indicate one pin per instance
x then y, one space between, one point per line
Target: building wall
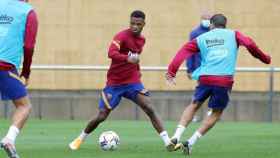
79 32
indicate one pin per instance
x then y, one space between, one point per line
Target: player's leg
91 126
185 120
217 102
106 104
145 104
23 109
139 95
207 124
200 95
13 89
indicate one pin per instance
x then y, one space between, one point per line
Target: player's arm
252 47
185 52
31 29
114 49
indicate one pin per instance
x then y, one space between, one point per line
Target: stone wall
83 105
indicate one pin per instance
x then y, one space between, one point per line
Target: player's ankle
194 138
83 136
6 140
12 134
164 136
179 131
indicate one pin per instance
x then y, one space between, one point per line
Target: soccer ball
109 141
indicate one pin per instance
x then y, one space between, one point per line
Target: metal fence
270 70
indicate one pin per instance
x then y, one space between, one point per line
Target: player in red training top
123 80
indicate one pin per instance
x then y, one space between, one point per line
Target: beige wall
79 31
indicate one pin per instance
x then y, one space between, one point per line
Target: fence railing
143 68
270 70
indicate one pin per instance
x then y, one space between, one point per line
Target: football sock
12 133
83 136
164 136
194 138
179 131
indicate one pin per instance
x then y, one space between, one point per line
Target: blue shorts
219 96
111 95
11 87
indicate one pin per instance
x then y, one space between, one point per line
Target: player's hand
25 81
268 59
133 58
170 80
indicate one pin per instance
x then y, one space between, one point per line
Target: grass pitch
49 139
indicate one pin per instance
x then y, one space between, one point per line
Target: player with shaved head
18 29
218 50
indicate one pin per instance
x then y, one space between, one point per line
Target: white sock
164 136
12 133
194 138
83 136
179 131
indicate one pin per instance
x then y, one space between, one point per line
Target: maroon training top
121 72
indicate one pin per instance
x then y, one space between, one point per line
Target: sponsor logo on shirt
5 19
214 42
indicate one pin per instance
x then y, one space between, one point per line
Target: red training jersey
120 71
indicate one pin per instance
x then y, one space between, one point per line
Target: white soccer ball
109 141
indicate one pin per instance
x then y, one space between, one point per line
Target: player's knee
149 111
23 102
147 101
24 106
210 124
194 105
28 107
217 112
102 117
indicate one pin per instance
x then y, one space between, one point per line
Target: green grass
49 139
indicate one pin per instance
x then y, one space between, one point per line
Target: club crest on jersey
5 19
